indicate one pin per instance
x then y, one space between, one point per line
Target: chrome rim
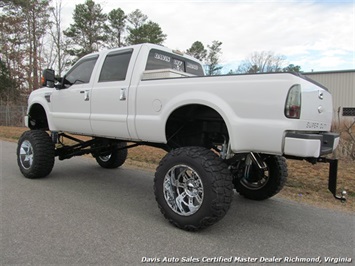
26 154
183 190
254 182
105 158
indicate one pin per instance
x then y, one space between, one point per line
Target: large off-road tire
260 184
35 154
114 159
193 188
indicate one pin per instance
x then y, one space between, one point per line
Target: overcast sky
317 35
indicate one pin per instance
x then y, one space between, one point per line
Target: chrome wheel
26 154
183 190
260 183
105 158
193 188
35 154
254 178
113 156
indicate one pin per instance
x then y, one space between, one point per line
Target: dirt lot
307 184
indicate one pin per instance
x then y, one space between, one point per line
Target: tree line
32 38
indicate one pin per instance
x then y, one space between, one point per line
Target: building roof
329 72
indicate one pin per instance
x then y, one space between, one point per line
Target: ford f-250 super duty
221 132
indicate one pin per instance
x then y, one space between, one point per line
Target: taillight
293 102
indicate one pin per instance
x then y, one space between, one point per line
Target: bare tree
57 54
259 62
23 25
37 20
13 43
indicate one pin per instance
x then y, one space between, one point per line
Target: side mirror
48 78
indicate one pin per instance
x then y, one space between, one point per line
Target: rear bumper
310 145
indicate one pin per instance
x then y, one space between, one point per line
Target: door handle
123 96
86 95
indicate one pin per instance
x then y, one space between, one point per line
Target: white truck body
137 109
221 132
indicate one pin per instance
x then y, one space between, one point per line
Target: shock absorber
54 136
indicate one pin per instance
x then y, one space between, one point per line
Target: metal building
341 84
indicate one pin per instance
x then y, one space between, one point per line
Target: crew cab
220 132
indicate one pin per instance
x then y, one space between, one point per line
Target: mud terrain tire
114 159
193 188
35 154
262 184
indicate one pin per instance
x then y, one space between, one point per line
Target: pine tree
198 51
88 33
117 24
212 60
141 31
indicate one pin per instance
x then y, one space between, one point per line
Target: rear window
161 60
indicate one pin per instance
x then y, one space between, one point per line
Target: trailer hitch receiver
333 174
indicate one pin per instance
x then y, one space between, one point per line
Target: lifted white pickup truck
221 132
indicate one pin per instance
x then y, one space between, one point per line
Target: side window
160 60
115 66
81 73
